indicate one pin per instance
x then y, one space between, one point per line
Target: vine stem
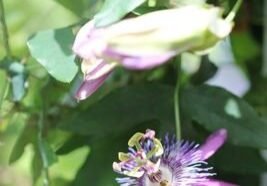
264 67
4 29
234 11
177 101
46 180
7 49
3 92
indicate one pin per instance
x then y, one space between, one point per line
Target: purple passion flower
146 41
175 163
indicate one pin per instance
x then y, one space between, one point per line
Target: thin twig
46 180
177 101
3 92
264 66
4 29
234 11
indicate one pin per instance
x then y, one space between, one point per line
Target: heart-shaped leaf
52 49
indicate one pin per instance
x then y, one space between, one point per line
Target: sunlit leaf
97 169
65 168
36 166
27 136
113 10
52 49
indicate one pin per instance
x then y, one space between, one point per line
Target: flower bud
189 28
149 40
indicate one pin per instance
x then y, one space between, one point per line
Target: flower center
164 183
161 178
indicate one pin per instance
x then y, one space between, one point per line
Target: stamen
155 177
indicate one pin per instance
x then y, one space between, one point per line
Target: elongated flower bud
188 28
146 41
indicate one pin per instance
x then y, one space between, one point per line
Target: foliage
48 138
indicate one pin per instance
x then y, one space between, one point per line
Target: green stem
264 67
177 101
234 11
4 29
3 92
6 46
41 149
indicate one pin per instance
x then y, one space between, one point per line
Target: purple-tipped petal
89 41
96 74
82 38
141 63
215 183
213 143
88 87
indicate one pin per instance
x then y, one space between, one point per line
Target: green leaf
97 170
113 10
257 96
4 85
76 7
123 109
27 136
211 107
242 160
73 143
215 108
36 166
52 49
65 168
243 41
147 9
